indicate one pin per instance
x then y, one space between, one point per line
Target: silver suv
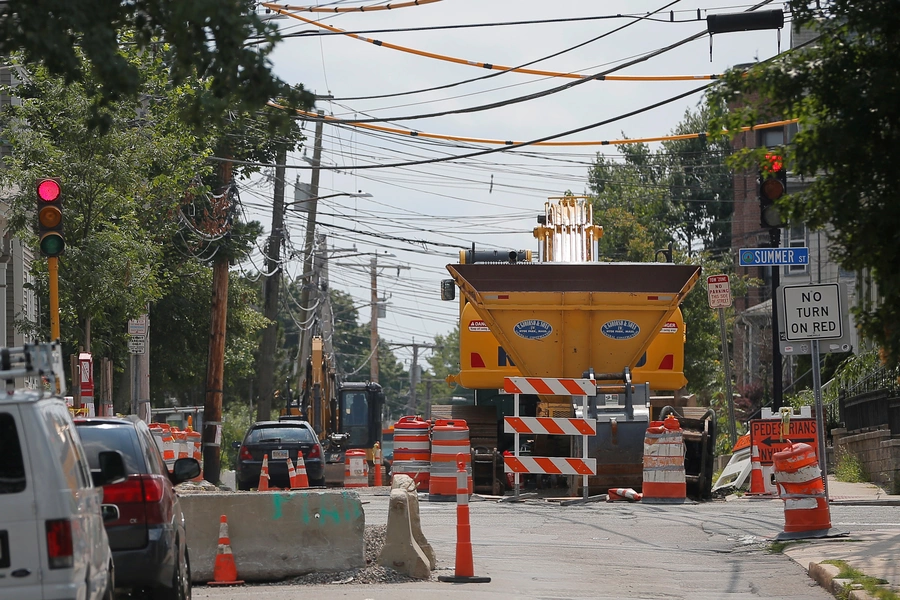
53 544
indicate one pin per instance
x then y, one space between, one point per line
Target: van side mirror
112 468
184 469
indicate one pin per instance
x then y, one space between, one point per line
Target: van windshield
12 464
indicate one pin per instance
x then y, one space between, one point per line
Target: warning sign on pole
767 435
718 288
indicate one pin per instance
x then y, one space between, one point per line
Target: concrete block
401 552
275 535
406 483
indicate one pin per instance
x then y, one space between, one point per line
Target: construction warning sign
769 437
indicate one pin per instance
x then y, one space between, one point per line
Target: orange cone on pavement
616 494
465 568
299 479
264 475
225 571
806 513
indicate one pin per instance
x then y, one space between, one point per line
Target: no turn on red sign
718 288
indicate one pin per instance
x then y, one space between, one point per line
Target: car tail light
315 452
139 489
245 453
59 544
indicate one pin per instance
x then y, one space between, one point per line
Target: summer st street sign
758 257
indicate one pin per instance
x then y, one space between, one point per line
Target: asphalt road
541 550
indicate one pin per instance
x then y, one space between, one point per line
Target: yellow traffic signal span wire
357 8
474 140
490 66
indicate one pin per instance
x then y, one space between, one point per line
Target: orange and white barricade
356 469
412 450
162 435
806 513
517 425
664 476
449 438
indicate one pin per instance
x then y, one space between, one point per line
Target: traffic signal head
772 186
49 216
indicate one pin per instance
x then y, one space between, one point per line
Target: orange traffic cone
465 568
225 571
615 494
300 480
264 475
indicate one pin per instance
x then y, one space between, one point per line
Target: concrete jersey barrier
275 535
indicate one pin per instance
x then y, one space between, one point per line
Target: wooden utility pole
215 373
308 254
373 333
266 372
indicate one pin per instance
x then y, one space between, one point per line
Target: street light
302 201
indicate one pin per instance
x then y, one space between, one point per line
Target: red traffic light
775 163
48 190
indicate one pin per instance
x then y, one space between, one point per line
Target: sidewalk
874 553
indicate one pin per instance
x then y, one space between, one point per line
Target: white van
53 544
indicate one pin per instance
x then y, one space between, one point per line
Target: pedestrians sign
759 257
767 436
813 312
718 288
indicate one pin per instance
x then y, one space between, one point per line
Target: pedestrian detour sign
768 436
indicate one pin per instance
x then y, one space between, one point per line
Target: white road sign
138 326
137 344
813 312
718 288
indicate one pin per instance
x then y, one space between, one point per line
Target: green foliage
842 88
237 417
848 467
204 43
872 585
119 191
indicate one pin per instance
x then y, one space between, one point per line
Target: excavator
564 313
346 415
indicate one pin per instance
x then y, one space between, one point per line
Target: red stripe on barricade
572 387
539 385
550 425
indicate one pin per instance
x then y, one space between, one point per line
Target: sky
420 216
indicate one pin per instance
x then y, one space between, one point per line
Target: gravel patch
371 573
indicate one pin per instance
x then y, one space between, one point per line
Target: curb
826 576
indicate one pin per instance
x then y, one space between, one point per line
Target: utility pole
266 374
373 330
308 254
777 367
411 404
215 374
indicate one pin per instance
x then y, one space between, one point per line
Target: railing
872 401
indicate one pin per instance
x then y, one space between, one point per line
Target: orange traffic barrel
356 469
412 450
664 477
448 439
799 479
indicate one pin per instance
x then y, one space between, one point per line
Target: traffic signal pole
53 282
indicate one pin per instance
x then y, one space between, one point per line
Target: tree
220 47
120 192
842 88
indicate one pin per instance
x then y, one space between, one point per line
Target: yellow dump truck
567 315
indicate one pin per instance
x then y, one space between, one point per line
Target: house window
796 238
771 137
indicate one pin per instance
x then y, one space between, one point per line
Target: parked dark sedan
148 539
281 440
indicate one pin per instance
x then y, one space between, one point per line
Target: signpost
761 257
813 313
718 289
